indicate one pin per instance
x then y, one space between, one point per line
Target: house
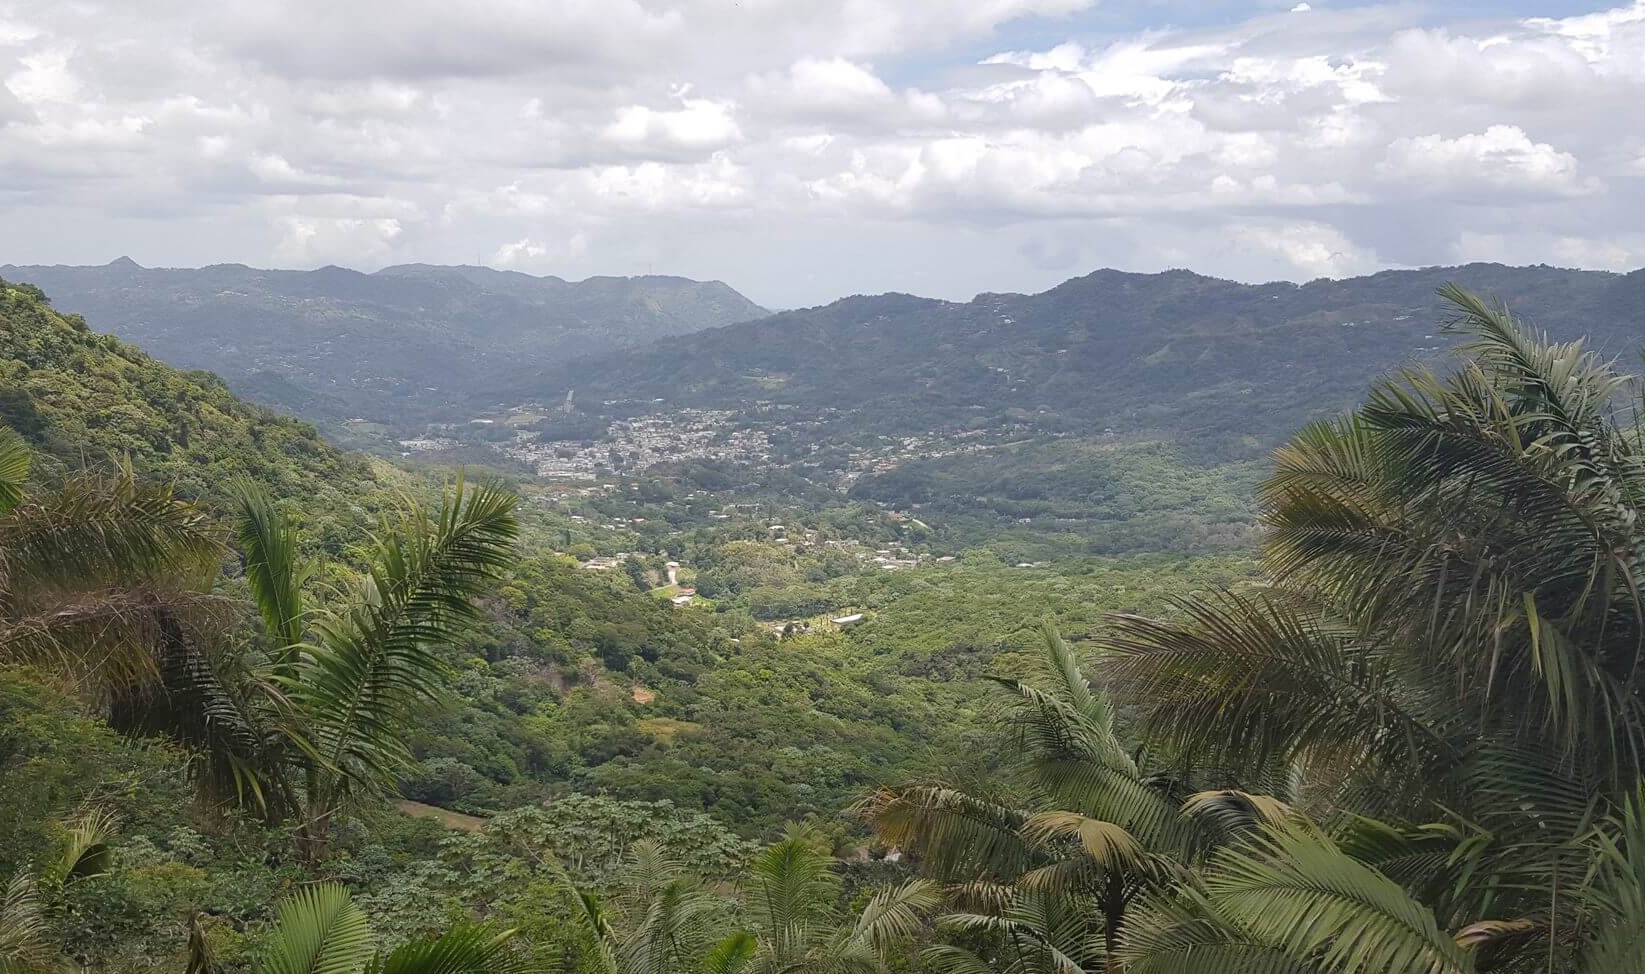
682 599
849 620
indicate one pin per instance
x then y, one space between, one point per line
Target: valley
759 586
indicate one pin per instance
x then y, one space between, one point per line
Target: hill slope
78 396
401 345
1134 354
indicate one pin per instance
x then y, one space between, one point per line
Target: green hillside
1127 354
402 346
82 397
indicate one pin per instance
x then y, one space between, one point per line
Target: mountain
1111 352
400 346
81 397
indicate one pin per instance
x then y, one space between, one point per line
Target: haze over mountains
1107 353
1110 351
400 345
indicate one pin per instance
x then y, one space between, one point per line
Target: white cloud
808 149
698 124
313 240
1310 249
1501 157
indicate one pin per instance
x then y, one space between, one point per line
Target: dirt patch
445 816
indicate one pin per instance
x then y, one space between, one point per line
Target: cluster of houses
635 444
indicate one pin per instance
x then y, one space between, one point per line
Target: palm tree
659 920
98 573
1449 640
107 580
320 929
26 934
324 716
791 894
1045 864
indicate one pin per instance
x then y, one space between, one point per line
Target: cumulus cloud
804 149
1502 157
697 124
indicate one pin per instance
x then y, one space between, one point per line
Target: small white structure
849 620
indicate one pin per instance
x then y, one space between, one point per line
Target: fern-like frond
274 568
379 656
319 930
1295 888
466 949
15 459
25 944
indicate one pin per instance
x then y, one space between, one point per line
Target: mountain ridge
1181 351
398 346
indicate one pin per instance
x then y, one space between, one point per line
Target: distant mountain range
1223 365
400 346
84 398
1110 352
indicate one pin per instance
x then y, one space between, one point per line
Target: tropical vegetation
1403 736
1415 747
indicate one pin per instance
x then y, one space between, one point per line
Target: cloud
804 150
1502 157
311 240
698 124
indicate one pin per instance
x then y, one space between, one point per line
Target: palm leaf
1296 889
319 930
25 946
380 655
467 949
731 955
14 469
274 569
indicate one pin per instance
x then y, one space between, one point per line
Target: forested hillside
401 346
737 726
81 397
1127 354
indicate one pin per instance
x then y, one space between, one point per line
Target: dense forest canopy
1076 701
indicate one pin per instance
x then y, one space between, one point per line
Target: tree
1047 861
659 920
321 929
338 685
97 574
791 893
108 581
26 936
1449 641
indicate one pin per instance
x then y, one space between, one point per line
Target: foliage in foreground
1416 749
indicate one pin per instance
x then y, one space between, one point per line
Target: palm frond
790 893
99 531
1178 932
1295 888
895 914
274 569
86 852
731 955
955 833
1110 845
466 949
1618 945
14 469
319 930
380 655
25 944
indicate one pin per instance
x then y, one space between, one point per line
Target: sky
803 150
